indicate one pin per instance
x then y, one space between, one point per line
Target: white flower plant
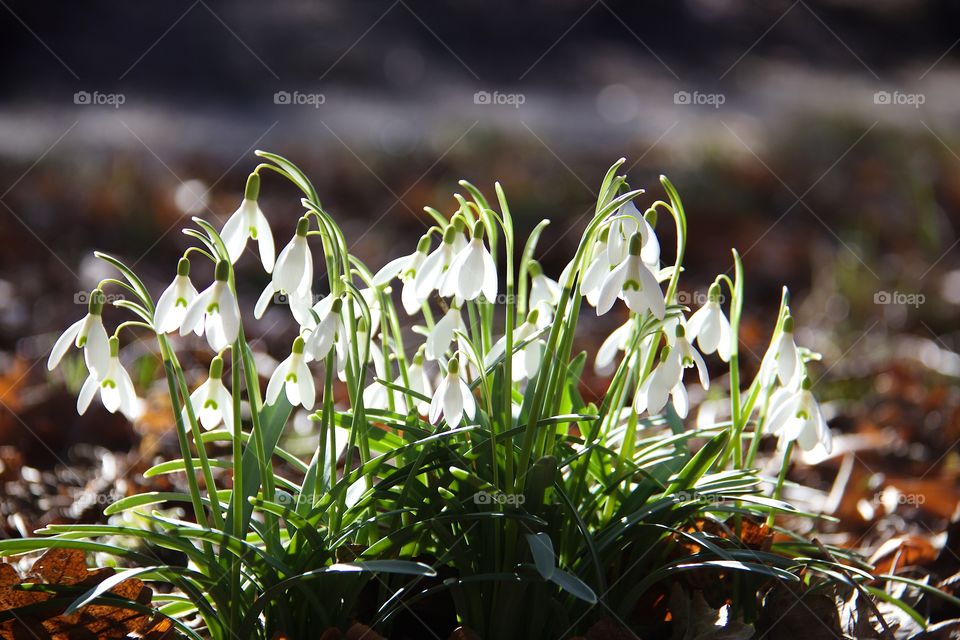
488 404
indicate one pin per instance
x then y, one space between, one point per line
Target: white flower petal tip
453 401
293 377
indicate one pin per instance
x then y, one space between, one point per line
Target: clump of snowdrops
463 443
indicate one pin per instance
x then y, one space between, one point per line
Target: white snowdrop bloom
614 343
632 281
298 301
666 381
597 269
376 396
526 361
799 418
628 221
247 222
115 386
87 334
710 327
294 269
544 291
323 337
472 271
293 378
444 331
420 381
782 359
214 312
212 403
431 273
173 302
453 399
405 268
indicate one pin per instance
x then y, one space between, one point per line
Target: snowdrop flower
526 361
444 331
431 273
376 396
322 338
666 381
173 303
87 334
249 222
632 281
799 418
298 301
453 398
597 269
114 384
628 221
782 359
211 401
293 377
405 268
214 312
710 326
472 272
615 342
544 291
294 269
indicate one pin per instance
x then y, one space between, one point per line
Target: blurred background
818 137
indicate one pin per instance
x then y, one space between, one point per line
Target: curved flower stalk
710 327
634 283
87 334
248 222
214 312
453 400
292 376
175 300
211 400
472 271
405 268
115 387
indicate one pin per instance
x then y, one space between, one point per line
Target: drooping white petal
307 389
234 233
275 385
264 241
611 288
194 317
489 285
543 290
96 345
681 403
390 271
469 405
453 402
436 404
87 391
63 343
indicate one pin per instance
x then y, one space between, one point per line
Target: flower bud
636 243
424 245
223 271
252 192
95 305
183 267
713 293
298 345
114 346
477 230
535 269
216 368
453 366
303 225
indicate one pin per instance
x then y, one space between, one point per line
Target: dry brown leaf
67 567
